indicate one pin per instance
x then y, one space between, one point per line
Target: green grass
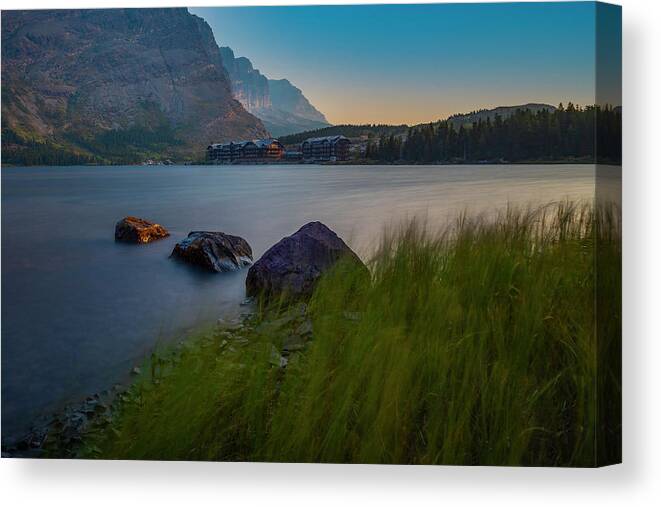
475 345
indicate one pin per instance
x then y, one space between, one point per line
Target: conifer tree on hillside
569 132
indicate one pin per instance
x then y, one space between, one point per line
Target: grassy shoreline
476 345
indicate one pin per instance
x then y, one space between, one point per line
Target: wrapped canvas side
608 243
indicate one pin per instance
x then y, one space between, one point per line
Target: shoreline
69 424
344 163
274 383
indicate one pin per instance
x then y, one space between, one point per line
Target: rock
293 343
305 329
230 324
272 326
214 251
241 340
352 316
276 359
138 230
292 266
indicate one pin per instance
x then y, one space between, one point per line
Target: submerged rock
214 251
138 230
292 266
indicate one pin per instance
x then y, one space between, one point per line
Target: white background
636 482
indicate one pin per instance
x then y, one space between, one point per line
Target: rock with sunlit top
138 230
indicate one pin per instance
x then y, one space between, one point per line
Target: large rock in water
291 267
215 251
138 230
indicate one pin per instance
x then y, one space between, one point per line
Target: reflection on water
78 309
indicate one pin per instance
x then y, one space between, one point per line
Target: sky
417 63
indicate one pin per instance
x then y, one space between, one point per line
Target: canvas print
383 234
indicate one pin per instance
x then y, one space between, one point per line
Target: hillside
573 134
467 119
369 131
114 86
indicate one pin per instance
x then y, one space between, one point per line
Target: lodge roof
261 143
330 139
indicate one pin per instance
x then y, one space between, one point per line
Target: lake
79 310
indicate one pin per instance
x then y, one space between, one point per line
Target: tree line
18 151
582 133
368 130
120 146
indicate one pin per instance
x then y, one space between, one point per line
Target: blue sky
416 63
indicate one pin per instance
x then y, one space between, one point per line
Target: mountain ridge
464 119
371 130
282 107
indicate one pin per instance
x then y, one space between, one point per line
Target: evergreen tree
569 132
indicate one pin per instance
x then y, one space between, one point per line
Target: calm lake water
79 310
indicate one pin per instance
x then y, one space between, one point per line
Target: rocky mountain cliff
114 85
249 86
280 105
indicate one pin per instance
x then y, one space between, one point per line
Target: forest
18 150
369 130
569 133
132 145
566 134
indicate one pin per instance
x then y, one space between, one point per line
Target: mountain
467 119
279 104
367 131
114 85
299 113
249 86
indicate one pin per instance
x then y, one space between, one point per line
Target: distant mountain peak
284 81
282 107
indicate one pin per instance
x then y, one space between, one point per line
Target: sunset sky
418 63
